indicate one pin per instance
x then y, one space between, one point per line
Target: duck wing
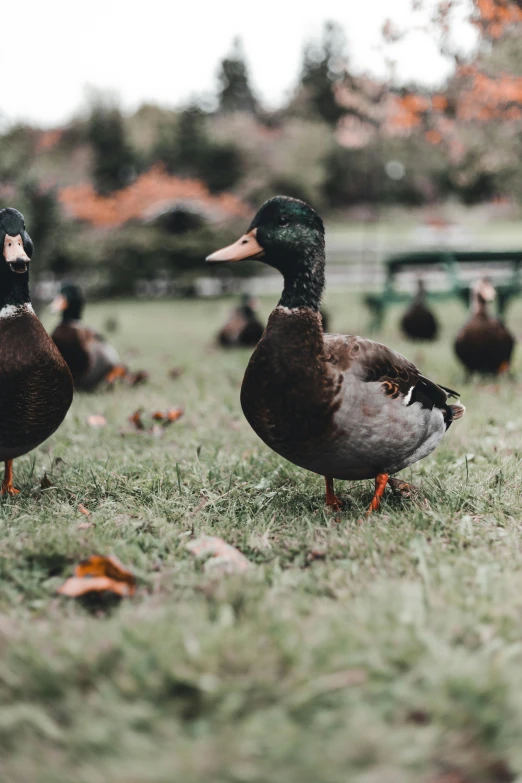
399 379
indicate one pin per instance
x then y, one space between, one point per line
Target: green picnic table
451 262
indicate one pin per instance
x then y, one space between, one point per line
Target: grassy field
387 650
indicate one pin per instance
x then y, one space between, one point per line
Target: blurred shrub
138 253
185 149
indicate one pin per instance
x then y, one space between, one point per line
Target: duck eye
283 222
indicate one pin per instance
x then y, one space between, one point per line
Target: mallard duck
418 322
341 406
90 357
484 344
243 328
36 388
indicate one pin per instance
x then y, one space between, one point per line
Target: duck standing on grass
341 406
418 322
36 388
91 359
484 345
243 328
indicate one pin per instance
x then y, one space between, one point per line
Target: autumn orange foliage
495 16
148 195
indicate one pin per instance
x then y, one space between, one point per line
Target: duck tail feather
457 410
450 392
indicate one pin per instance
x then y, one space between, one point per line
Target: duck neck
304 282
73 312
479 306
14 288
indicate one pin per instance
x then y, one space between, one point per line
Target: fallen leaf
221 556
97 421
174 414
135 378
74 587
99 573
176 372
135 418
83 510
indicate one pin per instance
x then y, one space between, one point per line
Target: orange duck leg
8 487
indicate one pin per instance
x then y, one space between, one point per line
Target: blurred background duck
484 344
243 328
418 322
36 388
341 406
91 359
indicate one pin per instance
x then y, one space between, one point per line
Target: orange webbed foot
9 490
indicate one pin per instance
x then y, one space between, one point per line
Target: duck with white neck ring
484 345
36 387
341 406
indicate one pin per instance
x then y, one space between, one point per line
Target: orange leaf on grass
135 418
74 587
99 573
173 414
83 510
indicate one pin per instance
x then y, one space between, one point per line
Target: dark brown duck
243 328
92 360
418 322
341 406
484 344
36 387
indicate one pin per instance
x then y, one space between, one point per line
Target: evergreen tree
323 67
114 160
235 93
187 150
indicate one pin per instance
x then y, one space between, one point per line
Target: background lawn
375 652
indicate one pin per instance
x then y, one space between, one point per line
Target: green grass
382 651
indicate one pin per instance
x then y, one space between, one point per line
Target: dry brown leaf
221 556
83 510
173 414
135 418
136 378
97 421
99 573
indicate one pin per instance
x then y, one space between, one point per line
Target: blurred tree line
342 139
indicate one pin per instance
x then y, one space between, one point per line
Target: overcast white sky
166 51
